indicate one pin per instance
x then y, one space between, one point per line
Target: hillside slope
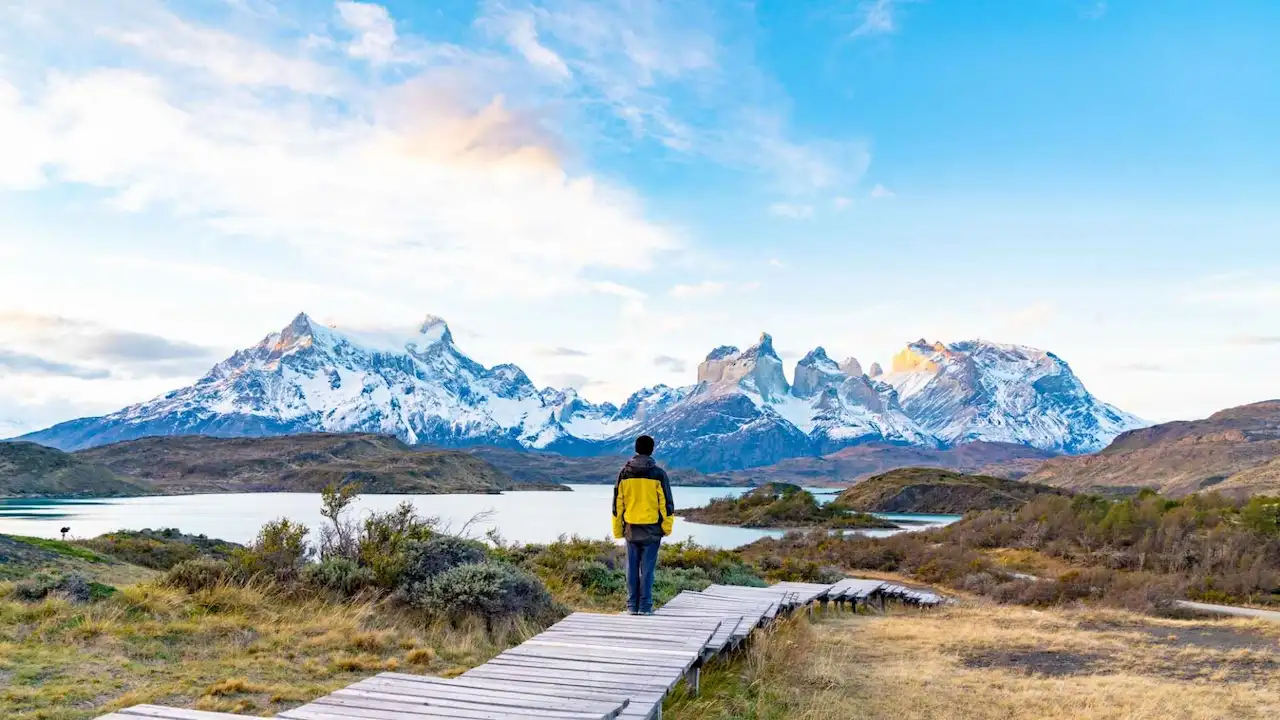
930 490
538 467
1233 451
297 463
859 462
29 470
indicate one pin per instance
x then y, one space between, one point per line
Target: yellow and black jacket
642 506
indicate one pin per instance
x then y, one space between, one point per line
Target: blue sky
637 179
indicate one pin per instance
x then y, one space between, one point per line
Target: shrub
35 588
280 552
425 559
158 549
74 587
383 538
598 578
340 575
492 591
199 574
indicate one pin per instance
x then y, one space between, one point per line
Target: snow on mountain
977 390
309 377
742 412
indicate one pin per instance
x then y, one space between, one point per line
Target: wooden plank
601 657
536 689
557 664
480 709
493 697
602 682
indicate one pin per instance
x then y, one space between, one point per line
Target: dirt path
1271 615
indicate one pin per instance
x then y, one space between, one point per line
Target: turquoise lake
527 517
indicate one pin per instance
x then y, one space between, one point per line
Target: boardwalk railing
589 666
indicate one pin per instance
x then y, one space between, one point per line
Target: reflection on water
518 516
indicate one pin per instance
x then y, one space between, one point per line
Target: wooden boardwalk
588 666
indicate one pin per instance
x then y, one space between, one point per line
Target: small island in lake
781 505
933 490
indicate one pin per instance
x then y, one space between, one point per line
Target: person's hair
644 445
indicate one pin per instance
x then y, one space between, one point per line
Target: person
643 514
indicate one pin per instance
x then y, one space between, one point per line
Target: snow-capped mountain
978 390
741 412
309 377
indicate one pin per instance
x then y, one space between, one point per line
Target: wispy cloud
706 288
880 192
373 31
89 350
563 352
20 363
1094 10
876 17
671 364
1256 340
1142 367
793 211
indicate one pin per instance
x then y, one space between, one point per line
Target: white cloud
876 17
841 203
1094 10
789 210
880 192
706 288
373 29
159 34
521 33
775 262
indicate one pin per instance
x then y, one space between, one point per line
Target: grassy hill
931 490
1235 452
780 505
30 470
299 463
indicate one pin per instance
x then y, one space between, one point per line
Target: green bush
598 578
493 591
34 588
74 587
158 549
383 538
425 559
280 552
339 575
199 574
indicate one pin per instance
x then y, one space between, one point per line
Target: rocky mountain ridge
741 412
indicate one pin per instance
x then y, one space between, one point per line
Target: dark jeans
642 560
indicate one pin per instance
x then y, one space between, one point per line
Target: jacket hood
641 462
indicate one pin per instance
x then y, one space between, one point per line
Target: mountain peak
435 329
723 352
852 367
815 356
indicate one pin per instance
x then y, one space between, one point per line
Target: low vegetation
1142 552
780 505
931 490
290 617
990 662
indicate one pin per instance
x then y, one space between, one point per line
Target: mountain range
740 412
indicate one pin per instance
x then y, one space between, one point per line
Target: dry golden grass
987 661
245 650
